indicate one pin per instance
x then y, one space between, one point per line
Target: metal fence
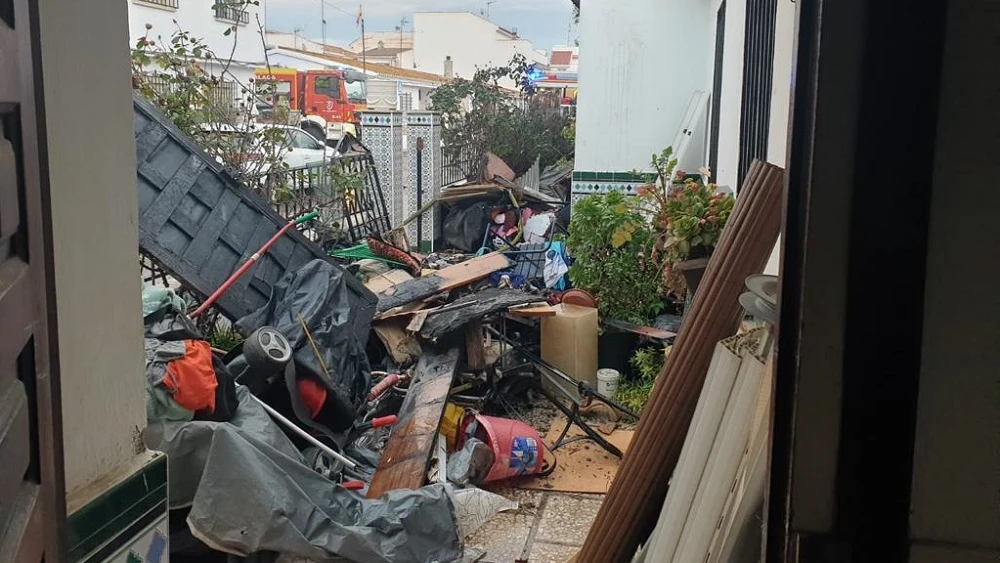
346 192
226 95
458 163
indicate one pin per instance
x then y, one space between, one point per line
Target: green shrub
608 240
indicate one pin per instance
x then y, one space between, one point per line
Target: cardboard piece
569 342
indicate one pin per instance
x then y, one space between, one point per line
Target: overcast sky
544 22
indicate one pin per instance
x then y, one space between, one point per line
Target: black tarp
319 295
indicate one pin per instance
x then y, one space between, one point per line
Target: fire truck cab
324 101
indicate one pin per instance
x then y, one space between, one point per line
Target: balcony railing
172 4
231 13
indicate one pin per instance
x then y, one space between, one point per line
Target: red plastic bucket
517 447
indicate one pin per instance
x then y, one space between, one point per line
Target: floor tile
542 552
503 538
567 518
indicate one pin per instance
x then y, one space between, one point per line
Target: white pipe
306 436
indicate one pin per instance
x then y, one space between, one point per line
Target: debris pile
372 389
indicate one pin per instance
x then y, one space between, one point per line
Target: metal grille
164 3
758 67
406 102
458 163
347 214
231 13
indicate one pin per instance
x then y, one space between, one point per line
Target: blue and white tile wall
382 133
425 125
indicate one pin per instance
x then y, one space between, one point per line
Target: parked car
246 146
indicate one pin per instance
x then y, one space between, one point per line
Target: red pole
246 265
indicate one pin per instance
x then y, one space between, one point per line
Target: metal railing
231 13
346 192
458 163
163 3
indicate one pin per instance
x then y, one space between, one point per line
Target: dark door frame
864 120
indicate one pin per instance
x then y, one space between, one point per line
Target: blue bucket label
523 454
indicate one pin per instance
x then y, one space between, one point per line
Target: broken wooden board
401 345
442 280
406 456
381 282
582 466
543 310
474 307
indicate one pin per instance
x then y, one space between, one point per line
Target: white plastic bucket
607 381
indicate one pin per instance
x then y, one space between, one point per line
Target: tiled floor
548 527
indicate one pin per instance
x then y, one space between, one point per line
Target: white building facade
208 21
716 85
470 40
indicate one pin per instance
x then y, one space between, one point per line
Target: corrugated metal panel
531 178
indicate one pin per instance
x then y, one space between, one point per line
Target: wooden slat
407 454
173 193
21 537
15 439
442 280
545 310
9 207
201 245
16 313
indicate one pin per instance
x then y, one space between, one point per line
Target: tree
480 116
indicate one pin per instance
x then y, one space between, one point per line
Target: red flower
701 221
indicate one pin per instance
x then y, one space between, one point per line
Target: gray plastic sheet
249 492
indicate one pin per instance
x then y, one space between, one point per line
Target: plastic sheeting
249 492
319 295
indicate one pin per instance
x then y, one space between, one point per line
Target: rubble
371 449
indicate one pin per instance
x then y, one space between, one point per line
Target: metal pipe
253 260
348 462
420 190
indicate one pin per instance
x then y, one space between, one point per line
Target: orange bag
191 379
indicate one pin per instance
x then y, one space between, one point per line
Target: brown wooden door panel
32 488
22 540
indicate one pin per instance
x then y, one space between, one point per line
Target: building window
231 11
406 102
171 4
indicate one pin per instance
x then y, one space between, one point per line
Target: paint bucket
607 382
517 447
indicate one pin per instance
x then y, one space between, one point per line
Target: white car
294 146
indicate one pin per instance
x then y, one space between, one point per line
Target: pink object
517 447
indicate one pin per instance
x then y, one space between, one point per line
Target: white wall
640 62
469 40
198 18
95 239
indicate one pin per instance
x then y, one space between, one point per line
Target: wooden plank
407 454
448 278
475 348
470 308
544 310
379 283
402 346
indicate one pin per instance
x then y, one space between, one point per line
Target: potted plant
687 214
